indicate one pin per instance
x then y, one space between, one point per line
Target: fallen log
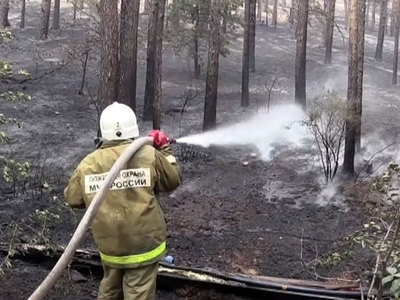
303 289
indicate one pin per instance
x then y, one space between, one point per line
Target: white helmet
118 122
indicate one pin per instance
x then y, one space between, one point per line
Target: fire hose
87 219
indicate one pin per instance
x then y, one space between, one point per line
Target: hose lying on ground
91 211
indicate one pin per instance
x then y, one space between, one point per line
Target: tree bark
225 17
396 40
252 36
44 19
128 52
301 54
392 13
259 10
361 41
56 15
197 69
151 61
275 14
373 14
210 103
246 56
4 8
382 29
346 14
158 67
108 12
23 13
352 90
329 24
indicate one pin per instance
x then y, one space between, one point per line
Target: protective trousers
128 284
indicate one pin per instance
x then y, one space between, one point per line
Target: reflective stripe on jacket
129 228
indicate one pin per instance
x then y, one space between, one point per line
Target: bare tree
259 10
301 53
252 36
4 8
373 14
196 14
396 6
266 9
128 52
346 13
158 68
354 98
246 56
151 61
56 15
44 19
382 29
329 24
360 66
275 14
23 12
108 11
210 103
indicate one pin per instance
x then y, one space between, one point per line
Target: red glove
160 138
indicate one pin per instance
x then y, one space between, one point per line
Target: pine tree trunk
4 8
361 41
392 13
148 7
128 52
252 36
266 12
108 12
151 61
158 67
197 69
373 14
44 19
329 24
396 40
275 14
382 29
346 14
225 17
352 90
210 103
56 15
259 10
23 13
75 4
246 56
301 53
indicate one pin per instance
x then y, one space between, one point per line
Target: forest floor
266 218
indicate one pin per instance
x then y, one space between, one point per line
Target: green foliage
189 25
14 171
393 278
6 69
6 35
26 74
326 121
15 96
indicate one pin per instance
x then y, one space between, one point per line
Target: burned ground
262 218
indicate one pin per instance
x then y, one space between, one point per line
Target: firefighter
129 228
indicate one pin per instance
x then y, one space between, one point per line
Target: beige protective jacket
130 228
